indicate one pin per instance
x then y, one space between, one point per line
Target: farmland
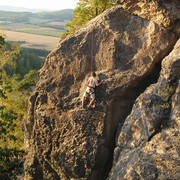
35 30
32 40
32 29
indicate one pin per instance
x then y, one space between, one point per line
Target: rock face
162 12
147 146
64 141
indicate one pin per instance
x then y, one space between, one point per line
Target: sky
41 4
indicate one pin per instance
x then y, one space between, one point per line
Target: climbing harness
90 89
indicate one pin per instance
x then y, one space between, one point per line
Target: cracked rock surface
147 146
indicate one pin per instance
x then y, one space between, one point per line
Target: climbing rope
92 51
92 48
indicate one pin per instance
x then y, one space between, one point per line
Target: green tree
13 98
29 81
27 59
2 40
85 11
8 127
12 109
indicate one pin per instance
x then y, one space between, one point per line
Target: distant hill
29 17
20 9
65 14
41 23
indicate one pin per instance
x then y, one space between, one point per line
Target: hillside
42 23
27 17
133 132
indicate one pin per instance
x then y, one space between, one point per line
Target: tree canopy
87 10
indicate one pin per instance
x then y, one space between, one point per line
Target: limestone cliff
64 141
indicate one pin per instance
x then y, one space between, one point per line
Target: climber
91 84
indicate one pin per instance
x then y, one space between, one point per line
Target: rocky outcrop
162 12
64 141
147 145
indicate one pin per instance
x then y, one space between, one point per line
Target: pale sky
41 4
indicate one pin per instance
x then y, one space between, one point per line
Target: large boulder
147 146
64 141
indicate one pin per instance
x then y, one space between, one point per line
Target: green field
32 29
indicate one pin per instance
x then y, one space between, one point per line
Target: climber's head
93 74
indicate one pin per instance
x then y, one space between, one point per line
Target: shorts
89 93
